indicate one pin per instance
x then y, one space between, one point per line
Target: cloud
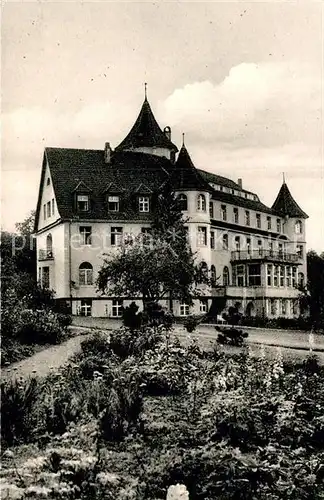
257 104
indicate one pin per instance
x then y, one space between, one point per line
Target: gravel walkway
292 345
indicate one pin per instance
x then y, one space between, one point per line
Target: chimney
107 152
239 181
167 132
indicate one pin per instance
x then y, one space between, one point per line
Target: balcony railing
244 255
45 255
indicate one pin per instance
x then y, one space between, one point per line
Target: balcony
265 255
45 255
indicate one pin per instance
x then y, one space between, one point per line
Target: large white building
89 200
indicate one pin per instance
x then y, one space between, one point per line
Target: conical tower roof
286 205
186 176
146 132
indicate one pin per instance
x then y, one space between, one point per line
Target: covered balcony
265 255
45 255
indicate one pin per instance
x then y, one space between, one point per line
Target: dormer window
113 203
144 204
48 182
82 202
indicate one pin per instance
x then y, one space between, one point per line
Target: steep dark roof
186 176
219 179
134 172
286 205
146 132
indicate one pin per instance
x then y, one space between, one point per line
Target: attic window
144 204
48 181
82 202
113 203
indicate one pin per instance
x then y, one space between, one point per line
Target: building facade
91 201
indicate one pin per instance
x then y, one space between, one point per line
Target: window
49 246
211 209
53 206
269 274
213 276
278 225
204 270
258 220
201 203
276 276
298 227
44 208
301 279
247 217
237 243
269 224
113 203
144 204
45 277
85 234
212 239
85 274
202 236
280 249
86 307
117 308
300 251
48 209
235 215
271 247
294 276
203 306
184 309
260 247
282 275
116 235
239 278
284 307
48 181
288 276
254 275
273 307
82 202
226 279
183 202
248 244
223 212
225 242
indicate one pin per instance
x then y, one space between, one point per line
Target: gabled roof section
81 186
286 205
143 189
127 170
113 188
186 176
146 132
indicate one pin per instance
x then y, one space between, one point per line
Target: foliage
312 295
157 413
231 336
191 323
156 266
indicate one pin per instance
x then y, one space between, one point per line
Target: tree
312 295
158 265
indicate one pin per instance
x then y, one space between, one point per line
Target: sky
242 80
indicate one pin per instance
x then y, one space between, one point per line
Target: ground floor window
184 309
254 275
284 307
239 278
117 308
269 274
273 307
203 305
45 277
86 307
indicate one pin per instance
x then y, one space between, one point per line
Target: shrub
40 327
